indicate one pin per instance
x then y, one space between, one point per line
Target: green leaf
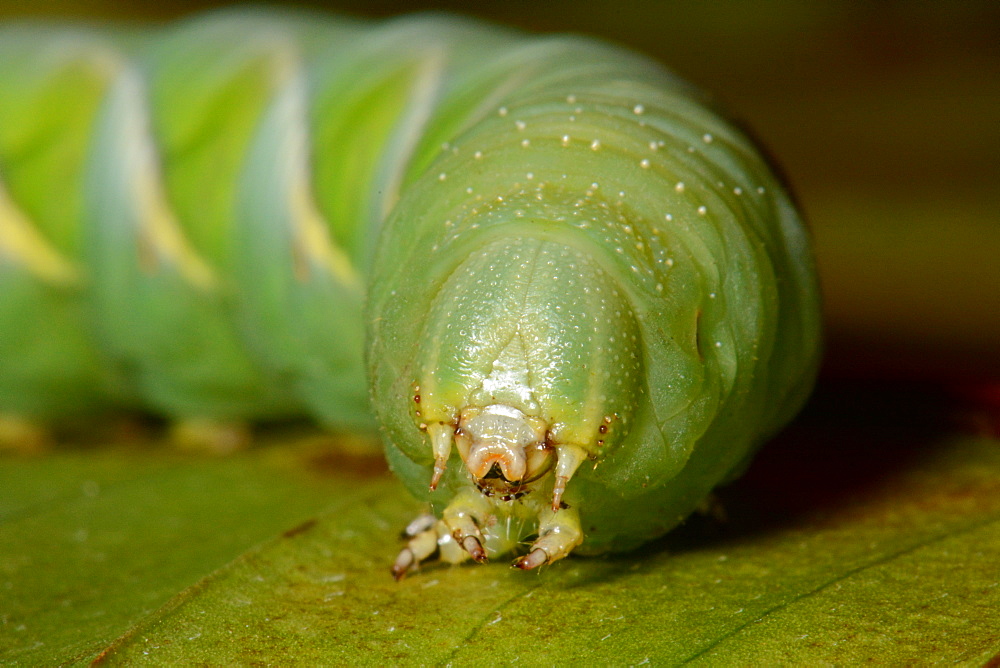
868 532
93 539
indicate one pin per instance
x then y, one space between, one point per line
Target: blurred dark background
884 115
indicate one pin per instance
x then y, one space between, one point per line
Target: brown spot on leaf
300 529
339 463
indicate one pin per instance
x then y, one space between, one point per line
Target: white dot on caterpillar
565 140
669 217
707 138
478 155
442 176
653 146
711 295
525 143
718 344
679 187
520 125
638 110
571 99
760 190
702 210
659 287
644 163
469 190
595 145
502 111
737 191
529 175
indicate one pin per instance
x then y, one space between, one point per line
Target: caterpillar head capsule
517 385
503 449
506 452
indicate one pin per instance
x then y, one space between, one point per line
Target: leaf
868 532
93 539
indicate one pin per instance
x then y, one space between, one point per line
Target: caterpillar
573 296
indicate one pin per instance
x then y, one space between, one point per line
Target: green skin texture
720 304
49 367
445 172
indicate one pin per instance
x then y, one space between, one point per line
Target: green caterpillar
586 297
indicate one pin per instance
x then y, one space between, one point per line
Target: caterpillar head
531 353
504 450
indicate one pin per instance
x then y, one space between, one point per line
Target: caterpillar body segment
631 304
48 364
575 296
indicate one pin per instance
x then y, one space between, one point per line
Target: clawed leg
470 528
431 536
421 545
463 517
559 533
455 537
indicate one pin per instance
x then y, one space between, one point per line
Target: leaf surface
868 532
93 539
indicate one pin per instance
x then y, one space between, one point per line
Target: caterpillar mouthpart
500 437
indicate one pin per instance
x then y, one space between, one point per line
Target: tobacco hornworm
587 297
